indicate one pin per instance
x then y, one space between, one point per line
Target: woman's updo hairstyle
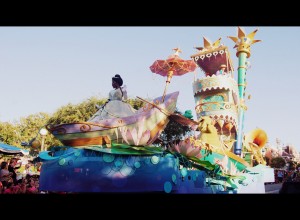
117 78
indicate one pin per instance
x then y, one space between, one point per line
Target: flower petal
193 153
140 127
123 131
145 138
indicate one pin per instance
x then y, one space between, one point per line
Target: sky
44 68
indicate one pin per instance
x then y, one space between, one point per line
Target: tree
173 132
83 111
277 162
75 112
25 129
8 133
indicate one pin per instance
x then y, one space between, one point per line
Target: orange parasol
174 65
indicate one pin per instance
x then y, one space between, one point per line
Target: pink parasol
174 65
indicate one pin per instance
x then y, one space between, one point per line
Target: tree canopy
277 162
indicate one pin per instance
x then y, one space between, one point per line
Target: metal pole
170 74
242 108
243 44
43 132
43 141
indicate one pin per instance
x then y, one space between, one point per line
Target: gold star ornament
243 43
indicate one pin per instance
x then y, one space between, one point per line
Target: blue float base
88 171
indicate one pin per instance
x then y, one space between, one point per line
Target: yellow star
243 42
177 50
208 45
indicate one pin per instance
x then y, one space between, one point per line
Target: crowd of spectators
12 181
287 176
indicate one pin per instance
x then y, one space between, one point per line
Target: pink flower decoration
186 148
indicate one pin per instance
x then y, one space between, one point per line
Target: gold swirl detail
85 128
227 106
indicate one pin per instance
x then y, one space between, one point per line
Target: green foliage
125 149
28 127
83 111
25 129
135 103
8 133
76 112
277 162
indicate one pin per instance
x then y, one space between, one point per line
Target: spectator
13 165
5 175
9 188
280 176
32 187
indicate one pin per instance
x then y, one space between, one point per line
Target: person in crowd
9 188
5 175
12 167
280 176
31 188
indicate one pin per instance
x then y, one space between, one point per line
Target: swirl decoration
59 131
85 128
227 106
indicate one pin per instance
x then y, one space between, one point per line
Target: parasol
173 65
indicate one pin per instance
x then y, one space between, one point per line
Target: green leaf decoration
217 169
205 164
220 182
115 145
127 149
62 161
232 184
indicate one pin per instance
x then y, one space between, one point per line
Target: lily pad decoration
168 155
118 162
77 153
154 159
137 164
174 178
108 158
168 187
62 161
183 172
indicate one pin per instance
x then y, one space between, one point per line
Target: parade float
119 154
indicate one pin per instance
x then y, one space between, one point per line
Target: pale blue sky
43 68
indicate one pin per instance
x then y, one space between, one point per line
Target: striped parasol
173 65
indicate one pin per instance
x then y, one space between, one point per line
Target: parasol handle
170 74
